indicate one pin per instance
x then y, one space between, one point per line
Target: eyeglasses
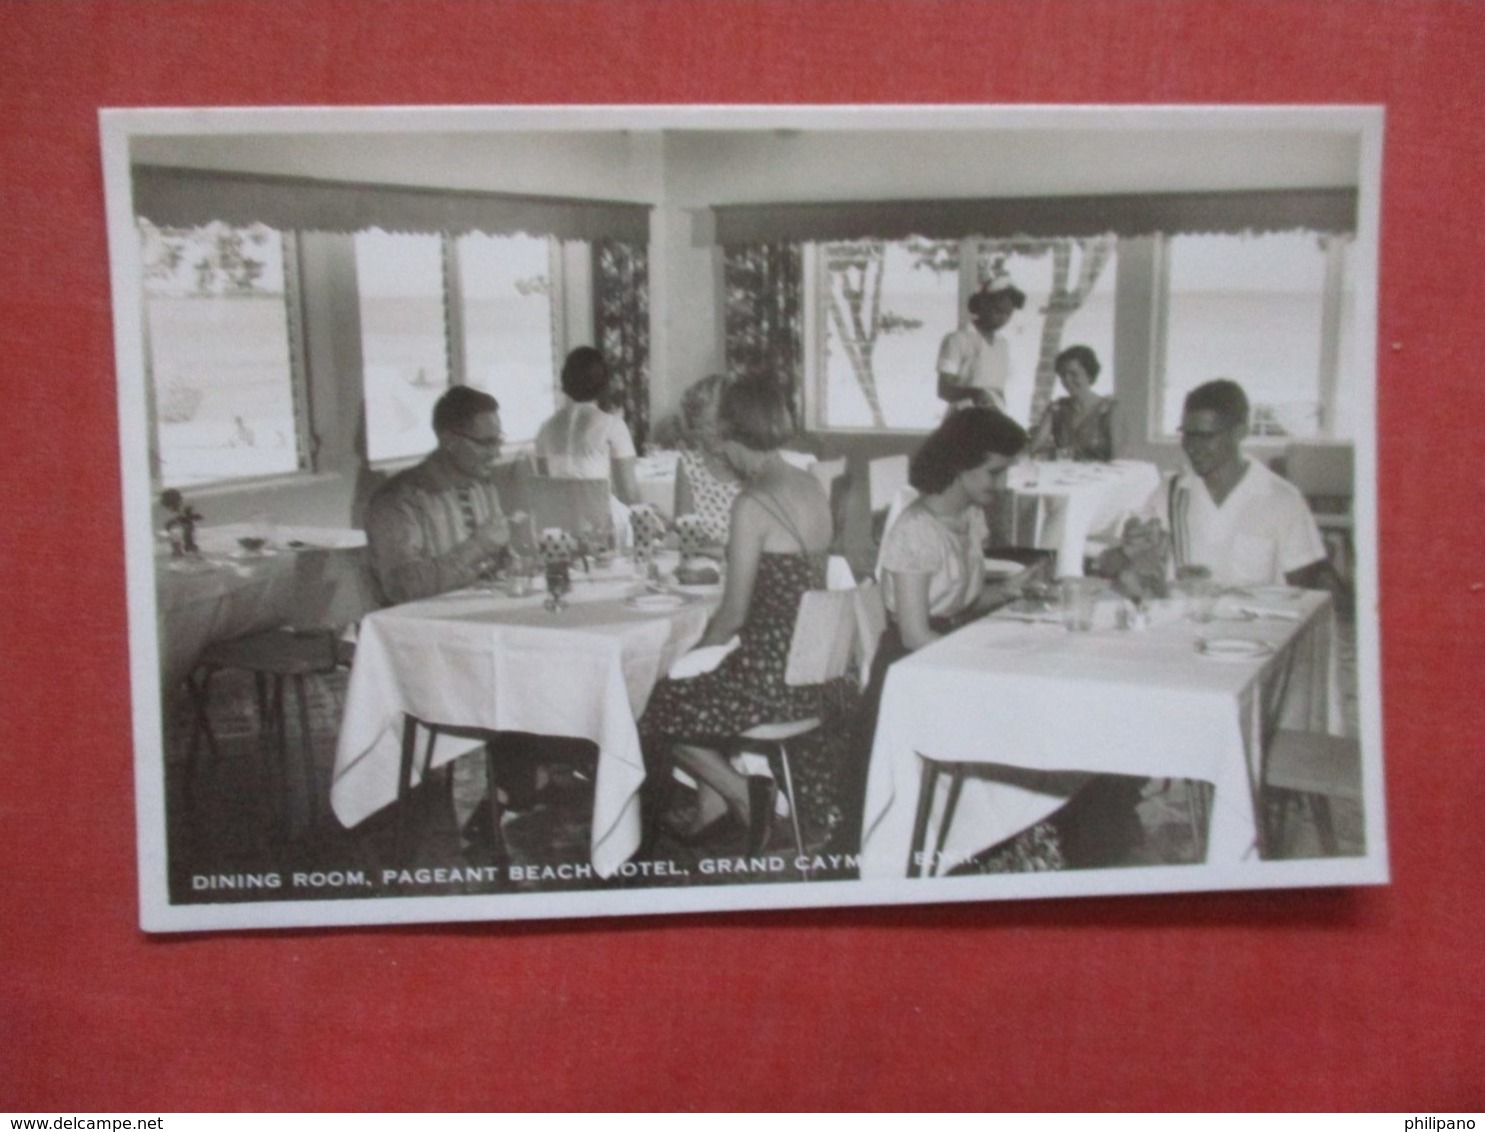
486 442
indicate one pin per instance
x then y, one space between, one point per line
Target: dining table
483 659
304 576
1038 707
1072 500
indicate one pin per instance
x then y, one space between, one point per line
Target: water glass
1079 596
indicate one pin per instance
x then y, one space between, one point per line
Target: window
1272 312
510 338
404 356
881 309
438 310
219 335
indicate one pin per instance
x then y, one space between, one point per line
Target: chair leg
793 803
307 750
200 697
404 783
920 822
1324 823
956 787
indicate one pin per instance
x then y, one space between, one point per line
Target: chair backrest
827 472
903 496
884 476
1320 469
512 483
870 610
801 460
824 637
571 504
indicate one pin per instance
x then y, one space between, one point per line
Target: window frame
568 285
1327 363
306 438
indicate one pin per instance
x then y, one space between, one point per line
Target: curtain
189 198
621 325
1330 210
764 286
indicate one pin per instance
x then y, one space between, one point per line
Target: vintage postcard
551 512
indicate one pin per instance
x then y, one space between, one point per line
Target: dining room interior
307 292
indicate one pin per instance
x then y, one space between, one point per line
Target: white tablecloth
1077 499
1035 696
227 592
480 659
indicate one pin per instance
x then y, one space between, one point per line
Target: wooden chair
1311 769
280 658
276 658
1325 473
820 651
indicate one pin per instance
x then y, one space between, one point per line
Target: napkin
697 661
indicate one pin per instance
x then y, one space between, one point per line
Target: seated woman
933 576
1080 425
780 531
932 561
582 441
705 483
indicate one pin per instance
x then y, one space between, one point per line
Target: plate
1233 648
1271 593
656 603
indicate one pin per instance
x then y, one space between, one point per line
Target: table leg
920 822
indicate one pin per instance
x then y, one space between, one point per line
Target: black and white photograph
565 512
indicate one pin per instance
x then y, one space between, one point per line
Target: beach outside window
218 339
400 283
1253 308
507 287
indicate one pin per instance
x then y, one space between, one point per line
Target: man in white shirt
974 362
1231 516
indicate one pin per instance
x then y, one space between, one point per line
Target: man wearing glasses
1230 516
438 526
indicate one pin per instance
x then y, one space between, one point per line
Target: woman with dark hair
1080 425
582 441
776 550
932 567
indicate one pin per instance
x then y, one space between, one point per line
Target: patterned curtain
765 316
621 325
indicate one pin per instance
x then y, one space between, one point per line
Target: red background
1326 999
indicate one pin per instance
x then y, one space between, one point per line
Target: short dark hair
584 374
1084 356
965 440
755 413
1223 397
983 299
457 408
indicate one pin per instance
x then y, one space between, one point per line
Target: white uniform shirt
581 440
984 365
1262 531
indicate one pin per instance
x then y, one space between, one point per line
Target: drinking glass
1079 596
